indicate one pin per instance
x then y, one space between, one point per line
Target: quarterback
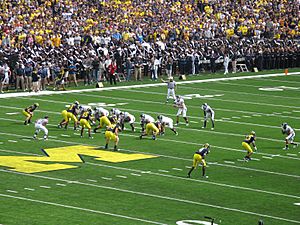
182 109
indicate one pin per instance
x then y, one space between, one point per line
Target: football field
69 180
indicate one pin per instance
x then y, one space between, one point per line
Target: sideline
25 94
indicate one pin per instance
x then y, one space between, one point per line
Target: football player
290 135
166 121
126 117
151 128
104 121
209 113
115 112
84 119
182 109
249 139
39 125
199 157
28 112
70 114
145 118
111 133
171 88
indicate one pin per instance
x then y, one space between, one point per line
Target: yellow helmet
36 104
253 132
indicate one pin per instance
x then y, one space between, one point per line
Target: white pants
181 111
39 127
226 68
209 116
5 80
171 92
290 137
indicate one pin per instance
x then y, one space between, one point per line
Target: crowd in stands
59 40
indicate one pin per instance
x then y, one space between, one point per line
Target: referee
171 88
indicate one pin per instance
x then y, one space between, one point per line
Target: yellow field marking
69 154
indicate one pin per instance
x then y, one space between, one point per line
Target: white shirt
209 110
171 84
180 103
115 112
289 130
102 111
42 122
147 118
166 120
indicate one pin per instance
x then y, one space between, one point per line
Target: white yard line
91 180
164 171
229 162
266 157
164 198
46 187
135 174
59 184
11 191
178 169
237 92
121 176
20 94
29 189
13 141
12 113
81 209
291 154
106 178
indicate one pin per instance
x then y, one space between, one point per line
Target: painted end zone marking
11 191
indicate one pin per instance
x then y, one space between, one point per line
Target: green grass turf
156 190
